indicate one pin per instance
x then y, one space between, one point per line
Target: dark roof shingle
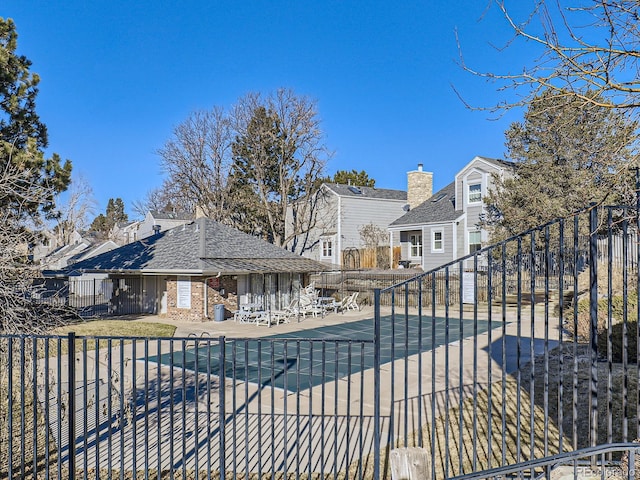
440 207
366 192
201 246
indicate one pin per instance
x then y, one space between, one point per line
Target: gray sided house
446 226
153 222
341 212
185 271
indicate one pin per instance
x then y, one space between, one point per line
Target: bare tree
197 161
373 235
279 153
590 50
75 212
251 167
18 314
166 198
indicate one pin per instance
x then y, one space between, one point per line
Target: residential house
446 225
340 213
153 222
80 248
125 232
187 270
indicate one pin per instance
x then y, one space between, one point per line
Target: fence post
221 405
376 384
71 411
410 463
593 316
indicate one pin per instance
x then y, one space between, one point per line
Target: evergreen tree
29 183
353 177
114 214
566 154
23 137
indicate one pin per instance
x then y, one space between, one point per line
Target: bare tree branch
591 51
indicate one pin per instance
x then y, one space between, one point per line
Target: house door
161 293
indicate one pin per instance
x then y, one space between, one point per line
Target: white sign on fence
468 287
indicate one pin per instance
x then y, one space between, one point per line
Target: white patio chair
352 303
341 306
261 318
283 316
309 306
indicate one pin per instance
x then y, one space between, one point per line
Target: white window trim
469 239
420 244
433 240
322 244
474 202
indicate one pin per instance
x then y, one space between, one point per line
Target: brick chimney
419 186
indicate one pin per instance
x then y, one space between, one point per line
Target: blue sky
117 76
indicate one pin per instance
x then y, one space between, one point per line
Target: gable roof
366 192
496 162
440 207
200 247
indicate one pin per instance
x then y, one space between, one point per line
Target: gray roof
498 162
202 246
437 209
367 192
170 215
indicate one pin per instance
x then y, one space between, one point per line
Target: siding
478 171
462 242
434 259
360 211
473 216
326 222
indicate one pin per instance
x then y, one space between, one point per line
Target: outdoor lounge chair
309 306
340 306
352 303
283 316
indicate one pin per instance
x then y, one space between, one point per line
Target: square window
475 193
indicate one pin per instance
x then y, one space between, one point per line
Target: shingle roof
201 246
170 215
439 208
498 162
367 192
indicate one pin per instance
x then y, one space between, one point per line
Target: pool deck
265 408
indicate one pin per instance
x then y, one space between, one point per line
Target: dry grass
119 328
455 454
29 444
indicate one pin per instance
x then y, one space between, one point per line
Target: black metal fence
533 353
106 407
517 360
93 297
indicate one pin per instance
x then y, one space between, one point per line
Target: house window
475 193
436 243
475 241
327 248
416 245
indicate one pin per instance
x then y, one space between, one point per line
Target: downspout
206 297
454 231
338 251
206 294
200 230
